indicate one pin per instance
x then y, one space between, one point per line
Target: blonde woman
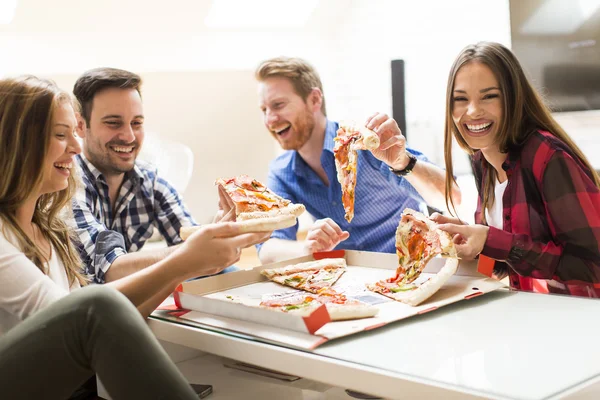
52 341
538 213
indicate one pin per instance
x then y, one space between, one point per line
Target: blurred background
197 58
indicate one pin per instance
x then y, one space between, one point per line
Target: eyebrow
119 116
481 91
65 125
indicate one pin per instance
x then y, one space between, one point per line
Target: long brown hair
27 109
524 112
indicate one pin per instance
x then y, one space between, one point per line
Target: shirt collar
90 169
299 166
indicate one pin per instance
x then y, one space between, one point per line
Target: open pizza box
229 302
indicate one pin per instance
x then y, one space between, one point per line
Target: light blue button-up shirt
380 195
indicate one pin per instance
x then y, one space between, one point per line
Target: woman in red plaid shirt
538 212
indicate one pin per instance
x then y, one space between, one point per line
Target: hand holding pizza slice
418 240
257 209
348 141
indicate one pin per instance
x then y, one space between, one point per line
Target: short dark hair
95 80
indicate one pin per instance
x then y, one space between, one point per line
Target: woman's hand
214 247
442 219
468 239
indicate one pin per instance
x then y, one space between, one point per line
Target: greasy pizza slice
312 276
338 305
254 200
418 240
348 141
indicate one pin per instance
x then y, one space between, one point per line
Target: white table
503 345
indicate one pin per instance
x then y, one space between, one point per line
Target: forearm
280 249
430 182
148 287
131 263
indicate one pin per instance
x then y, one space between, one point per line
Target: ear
81 125
315 99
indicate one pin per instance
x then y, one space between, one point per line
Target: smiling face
115 134
58 162
477 105
286 115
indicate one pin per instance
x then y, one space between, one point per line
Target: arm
427 179
103 250
171 213
573 252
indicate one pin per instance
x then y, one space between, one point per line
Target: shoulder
7 240
146 169
540 146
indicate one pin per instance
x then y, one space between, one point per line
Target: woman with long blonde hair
52 341
538 213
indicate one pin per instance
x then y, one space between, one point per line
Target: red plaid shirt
551 216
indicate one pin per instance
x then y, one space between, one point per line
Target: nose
127 135
271 118
74 145
474 110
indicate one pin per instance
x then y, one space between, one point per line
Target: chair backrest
174 160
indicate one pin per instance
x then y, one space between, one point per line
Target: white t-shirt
494 215
24 289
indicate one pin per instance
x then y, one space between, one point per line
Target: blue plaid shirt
145 201
380 197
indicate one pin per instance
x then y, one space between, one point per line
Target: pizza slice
418 240
348 141
338 305
257 208
312 276
254 200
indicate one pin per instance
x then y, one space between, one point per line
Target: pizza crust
291 209
340 312
306 266
425 290
267 224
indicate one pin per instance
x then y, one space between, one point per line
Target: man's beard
102 160
303 128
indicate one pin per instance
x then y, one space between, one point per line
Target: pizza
257 208
338 305
348 141
418 240
312 276
254 200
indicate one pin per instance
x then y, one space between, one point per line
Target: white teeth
281 129
121 149
64 165
478 128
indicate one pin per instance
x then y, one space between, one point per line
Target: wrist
404 167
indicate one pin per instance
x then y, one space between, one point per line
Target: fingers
222 230
393 141
454 229
225 202
248 239
376 120
370 118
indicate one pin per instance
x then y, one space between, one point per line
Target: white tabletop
500 345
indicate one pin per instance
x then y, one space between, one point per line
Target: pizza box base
218 301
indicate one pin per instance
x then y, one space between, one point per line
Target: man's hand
468 239
324 235
392 149
215 247
226 211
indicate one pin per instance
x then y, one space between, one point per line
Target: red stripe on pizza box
329 254
473 295
427 310
178 313
317 319
318 343
371 327
176 297
485 265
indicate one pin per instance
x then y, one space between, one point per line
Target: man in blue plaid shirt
122 199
